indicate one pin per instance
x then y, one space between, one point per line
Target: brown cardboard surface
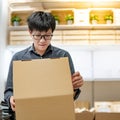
81 104
43 90
85 115
107 116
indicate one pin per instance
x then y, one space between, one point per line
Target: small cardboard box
43 90
85 115
107 106
103 106
107 116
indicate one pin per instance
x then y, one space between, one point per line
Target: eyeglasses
39 37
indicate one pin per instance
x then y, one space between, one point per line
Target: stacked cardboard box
107 106
104 110
107 116
85 115
107 110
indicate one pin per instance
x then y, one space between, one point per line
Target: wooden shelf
72 27
80 32
88 27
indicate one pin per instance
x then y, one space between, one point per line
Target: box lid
43 77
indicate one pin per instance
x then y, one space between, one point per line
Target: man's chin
42 48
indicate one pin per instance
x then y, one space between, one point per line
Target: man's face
41 40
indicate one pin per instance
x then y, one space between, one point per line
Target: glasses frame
43 36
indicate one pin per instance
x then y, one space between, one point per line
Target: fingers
77 85
12 103
77 80
76 74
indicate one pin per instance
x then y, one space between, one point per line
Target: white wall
3 32
93 62
107 64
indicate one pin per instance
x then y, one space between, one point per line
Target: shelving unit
77 33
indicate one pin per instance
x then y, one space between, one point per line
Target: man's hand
77 80
12 103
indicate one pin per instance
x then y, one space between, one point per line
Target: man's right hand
12 103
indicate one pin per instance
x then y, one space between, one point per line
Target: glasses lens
47 37
39 37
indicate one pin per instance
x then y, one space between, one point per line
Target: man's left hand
77 80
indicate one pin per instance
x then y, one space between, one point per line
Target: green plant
94 17
15 18
69 17
56 17
108 17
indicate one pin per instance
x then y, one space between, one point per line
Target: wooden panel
23 37
102 36
103 32
118 36
19 35
75 32
72 37
20 38
75 35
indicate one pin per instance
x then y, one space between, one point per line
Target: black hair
41 21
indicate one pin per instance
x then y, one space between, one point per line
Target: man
41 27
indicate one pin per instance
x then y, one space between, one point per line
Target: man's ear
30 32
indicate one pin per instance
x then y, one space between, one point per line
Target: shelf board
72 27
88 27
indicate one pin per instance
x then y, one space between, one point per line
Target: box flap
43 77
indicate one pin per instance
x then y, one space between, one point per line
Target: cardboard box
107 116
107 106
85 115
116 106
103 106
43 90
81 104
